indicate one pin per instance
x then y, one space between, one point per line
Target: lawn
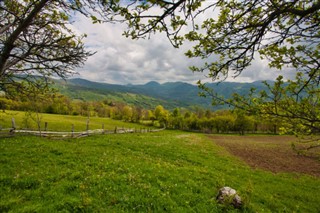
168 171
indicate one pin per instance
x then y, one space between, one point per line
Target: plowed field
273 153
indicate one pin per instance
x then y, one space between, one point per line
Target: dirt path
273 153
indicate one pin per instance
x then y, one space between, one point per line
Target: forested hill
170 95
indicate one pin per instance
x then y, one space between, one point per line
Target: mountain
151 94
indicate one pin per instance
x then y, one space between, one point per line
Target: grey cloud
120 60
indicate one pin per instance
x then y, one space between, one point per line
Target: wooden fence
13 131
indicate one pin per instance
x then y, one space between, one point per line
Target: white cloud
120 60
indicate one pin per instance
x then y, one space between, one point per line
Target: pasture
167 171
60 122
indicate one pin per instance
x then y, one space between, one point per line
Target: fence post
88 126
103 129
13 123
45 126
72 130
115 130
13 126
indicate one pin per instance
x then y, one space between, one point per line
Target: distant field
168 171
60 122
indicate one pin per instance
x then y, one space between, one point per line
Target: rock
227 195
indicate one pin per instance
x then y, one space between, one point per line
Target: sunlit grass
61 122
152 172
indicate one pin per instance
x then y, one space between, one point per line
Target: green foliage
196 120
292 106
165 171
242 122
127 113
161 115
35 41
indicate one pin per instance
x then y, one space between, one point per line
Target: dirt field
273 153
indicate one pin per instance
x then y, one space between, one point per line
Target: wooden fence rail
9 132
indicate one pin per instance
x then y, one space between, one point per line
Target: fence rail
13 131
55 134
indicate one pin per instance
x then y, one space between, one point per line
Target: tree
223 122
242 122
175 120
35 40
127 113
161 115
150 116
286 33
37 98
137 114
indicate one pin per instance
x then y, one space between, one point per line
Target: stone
228 195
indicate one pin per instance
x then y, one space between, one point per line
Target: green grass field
167 171
60 122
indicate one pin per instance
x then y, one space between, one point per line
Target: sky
121 60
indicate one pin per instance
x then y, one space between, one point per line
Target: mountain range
149 95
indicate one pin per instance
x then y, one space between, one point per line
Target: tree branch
9 43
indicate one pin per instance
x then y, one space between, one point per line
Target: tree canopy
36 41
228 35
233 33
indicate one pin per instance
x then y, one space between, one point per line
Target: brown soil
273 153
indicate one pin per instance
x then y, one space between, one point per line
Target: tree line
197 119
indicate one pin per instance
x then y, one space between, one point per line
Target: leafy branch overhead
35 40
233 33
229 35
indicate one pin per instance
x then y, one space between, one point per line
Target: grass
155 172
61 122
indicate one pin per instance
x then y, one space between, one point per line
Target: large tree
36 41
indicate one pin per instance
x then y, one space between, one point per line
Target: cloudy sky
120 60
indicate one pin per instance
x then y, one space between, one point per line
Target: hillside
170 94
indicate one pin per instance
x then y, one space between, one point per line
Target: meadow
60 122
167 171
